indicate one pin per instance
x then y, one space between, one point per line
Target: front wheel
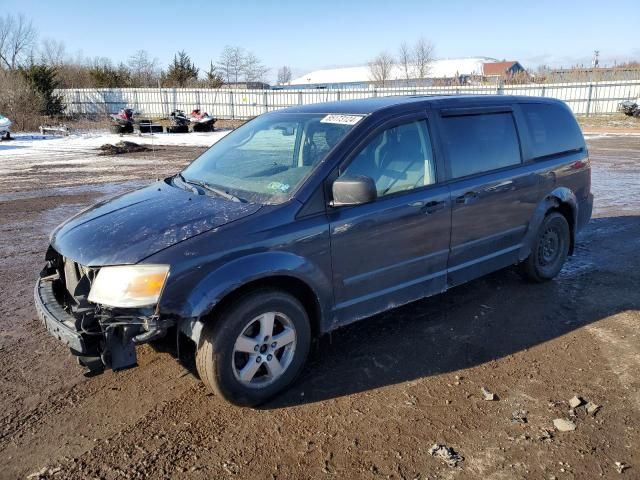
549 251
256 348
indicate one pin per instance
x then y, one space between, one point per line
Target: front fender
216 285
557 197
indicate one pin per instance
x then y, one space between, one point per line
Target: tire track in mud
92 409
43 393
620 339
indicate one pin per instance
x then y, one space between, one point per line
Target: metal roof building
361 76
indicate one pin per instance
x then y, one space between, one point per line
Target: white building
360 77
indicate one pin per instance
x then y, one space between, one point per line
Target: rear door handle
432 207
501 187
467 198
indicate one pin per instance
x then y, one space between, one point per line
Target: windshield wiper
187 184
212 189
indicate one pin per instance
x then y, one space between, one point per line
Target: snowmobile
179 122
629 108
202 122
122 121
5 123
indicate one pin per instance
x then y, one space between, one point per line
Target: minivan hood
129 228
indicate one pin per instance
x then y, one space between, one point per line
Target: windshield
268 158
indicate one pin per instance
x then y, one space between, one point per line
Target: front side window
267 159
480 143
398 159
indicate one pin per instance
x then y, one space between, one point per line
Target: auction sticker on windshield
342 119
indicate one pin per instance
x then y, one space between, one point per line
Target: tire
150 128
178 129
120 129
549 251
203 127
237 357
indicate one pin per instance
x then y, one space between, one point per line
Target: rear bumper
56 320
585 209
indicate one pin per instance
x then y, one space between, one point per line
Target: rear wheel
550 249
256 348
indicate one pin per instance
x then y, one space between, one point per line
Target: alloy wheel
264 350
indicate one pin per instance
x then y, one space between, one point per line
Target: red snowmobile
202 122
122 121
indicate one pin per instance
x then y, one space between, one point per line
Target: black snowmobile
179 122
629 108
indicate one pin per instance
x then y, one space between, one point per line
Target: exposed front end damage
101 337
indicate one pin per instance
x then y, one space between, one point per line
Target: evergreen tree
42 80
107 76
214 79
182 70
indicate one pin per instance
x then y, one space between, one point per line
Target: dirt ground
616 122
374 396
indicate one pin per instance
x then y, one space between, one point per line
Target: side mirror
353 190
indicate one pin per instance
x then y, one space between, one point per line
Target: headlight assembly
129 286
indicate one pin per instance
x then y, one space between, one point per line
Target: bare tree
423 58
52 52
284 75
405 60
254 70
19 101
231 64
380 68
144 70
6 27
17 39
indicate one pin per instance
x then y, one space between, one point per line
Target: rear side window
480 143
552 129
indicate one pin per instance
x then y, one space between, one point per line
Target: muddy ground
374 397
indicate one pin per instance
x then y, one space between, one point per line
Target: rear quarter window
552 129
480 143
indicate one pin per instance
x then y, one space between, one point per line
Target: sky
329 33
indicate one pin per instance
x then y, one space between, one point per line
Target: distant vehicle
202 121
314 217
5 124
179 122
122 122
629 108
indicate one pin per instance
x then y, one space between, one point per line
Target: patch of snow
30 150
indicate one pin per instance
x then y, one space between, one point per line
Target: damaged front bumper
98 336
58 323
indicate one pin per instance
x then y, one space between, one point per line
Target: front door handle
467 198
432 207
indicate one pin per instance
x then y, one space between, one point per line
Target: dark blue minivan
310 218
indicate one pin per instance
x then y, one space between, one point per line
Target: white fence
583 98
